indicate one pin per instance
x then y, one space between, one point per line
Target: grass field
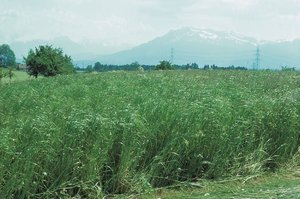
18 76
90 135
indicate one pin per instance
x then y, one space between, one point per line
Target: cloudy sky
131 22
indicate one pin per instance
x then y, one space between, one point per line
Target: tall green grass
121 132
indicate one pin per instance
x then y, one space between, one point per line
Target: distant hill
205 46
281 53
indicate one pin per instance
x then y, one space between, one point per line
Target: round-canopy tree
164 65
48 61
98 66
7 56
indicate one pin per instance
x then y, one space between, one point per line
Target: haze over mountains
87 50
182 46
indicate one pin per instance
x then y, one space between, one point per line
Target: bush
164 65
140 69
48 61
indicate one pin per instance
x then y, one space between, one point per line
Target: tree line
49 61
162 65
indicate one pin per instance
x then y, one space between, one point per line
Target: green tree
7 56
194 66
48 61
164 65
89 69
206 67
135 66
98 67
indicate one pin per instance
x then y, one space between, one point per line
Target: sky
132 22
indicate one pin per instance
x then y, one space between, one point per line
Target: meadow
18 76
92 135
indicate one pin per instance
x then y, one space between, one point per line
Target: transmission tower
256 64
172 55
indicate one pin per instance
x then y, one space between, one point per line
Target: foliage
215 67
7 56
17 76
135 65
164 65
192 66
48 61
10 73
98 67
140 69
206 67
126 132
287 68
89 69
2 74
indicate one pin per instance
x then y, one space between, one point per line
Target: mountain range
186 45
205 46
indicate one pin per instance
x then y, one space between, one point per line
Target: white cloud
241 3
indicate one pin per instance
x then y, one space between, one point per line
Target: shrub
164 65
48 61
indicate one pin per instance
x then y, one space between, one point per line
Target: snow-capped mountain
182 46
206 46
212 35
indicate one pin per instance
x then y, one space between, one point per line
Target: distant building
21 67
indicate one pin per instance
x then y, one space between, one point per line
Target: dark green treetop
164 65
48 61
7 56
98 66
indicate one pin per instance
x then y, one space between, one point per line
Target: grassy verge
90 135
277 185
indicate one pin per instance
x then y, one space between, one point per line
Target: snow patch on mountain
208 34
202 32
238 39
